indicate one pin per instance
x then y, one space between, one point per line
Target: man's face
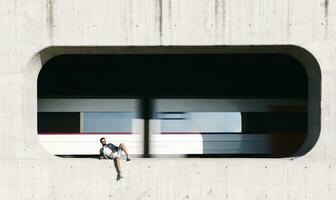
103 141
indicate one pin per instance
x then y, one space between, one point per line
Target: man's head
103 141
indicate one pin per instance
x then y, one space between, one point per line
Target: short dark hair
101 139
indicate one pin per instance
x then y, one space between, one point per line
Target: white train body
179 126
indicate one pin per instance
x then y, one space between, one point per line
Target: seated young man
111 151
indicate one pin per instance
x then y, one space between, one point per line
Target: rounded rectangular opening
173 102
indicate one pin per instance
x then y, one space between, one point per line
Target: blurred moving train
177 127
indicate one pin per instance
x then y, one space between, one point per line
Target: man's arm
101 154
113 147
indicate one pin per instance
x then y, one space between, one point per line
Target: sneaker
119 176
128 158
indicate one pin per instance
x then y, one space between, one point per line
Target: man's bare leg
123 147
118 167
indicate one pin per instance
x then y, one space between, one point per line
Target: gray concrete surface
27 171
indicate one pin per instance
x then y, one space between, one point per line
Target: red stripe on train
113 133
85 133
128 133
181 133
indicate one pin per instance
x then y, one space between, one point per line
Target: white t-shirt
107 151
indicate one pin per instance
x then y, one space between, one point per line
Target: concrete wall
27 171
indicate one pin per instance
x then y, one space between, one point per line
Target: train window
58 122
108 122
180 101
202 122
